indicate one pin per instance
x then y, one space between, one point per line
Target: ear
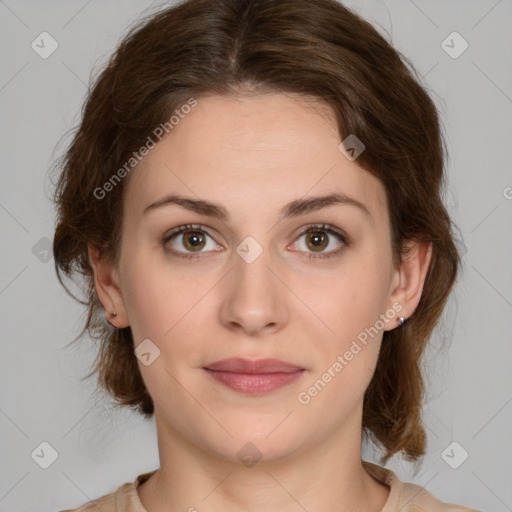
106 282
409 278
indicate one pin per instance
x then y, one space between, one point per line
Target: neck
325 475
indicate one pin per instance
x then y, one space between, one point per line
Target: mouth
254 377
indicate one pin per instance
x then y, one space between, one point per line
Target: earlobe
411 277
106 282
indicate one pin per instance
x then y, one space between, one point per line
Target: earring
112 315
401 320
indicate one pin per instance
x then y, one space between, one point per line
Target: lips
256 377
258 366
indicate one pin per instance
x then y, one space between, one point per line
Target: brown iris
318 240
193 240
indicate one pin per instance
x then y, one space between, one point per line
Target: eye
188 241
192 237
318 238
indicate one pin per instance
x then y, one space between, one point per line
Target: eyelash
312 227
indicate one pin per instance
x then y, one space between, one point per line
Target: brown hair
317 48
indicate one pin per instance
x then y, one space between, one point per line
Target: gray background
41 395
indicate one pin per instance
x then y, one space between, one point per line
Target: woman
253 198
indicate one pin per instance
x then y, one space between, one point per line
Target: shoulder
105 503
124 499
415 498
409 497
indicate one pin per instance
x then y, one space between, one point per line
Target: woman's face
252 284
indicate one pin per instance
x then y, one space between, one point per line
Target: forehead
250 152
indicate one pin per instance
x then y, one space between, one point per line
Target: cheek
357 297
351 308
350 355
151 299
153 306
162 300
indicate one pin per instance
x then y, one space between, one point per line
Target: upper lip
241 365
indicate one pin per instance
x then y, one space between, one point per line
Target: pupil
317 239
194 239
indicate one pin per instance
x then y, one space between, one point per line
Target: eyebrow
291 210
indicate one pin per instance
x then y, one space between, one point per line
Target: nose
254 300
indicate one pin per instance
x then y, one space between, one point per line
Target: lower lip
255 383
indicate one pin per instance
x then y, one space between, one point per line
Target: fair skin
253 154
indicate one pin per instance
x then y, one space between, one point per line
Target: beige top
403 497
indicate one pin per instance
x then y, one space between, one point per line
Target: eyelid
325 227
184 229
346 242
